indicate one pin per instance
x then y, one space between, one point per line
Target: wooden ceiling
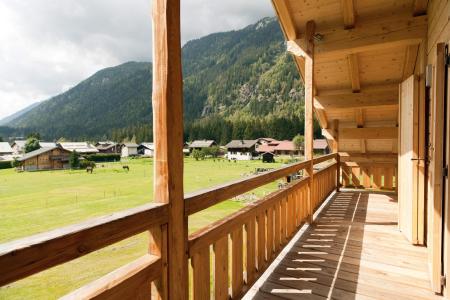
362 50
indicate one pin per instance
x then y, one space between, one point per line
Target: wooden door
435 237
408 202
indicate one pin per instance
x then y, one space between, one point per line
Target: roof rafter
368 35
348 13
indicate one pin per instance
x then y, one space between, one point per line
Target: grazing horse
89 169
126 168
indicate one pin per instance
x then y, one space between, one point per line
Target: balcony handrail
203 199
24 257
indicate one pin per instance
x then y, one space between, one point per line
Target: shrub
198 154
5 165
103 157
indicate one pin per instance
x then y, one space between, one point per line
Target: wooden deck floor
353 251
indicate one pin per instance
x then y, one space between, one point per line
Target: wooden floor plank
353 250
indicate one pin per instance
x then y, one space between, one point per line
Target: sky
48 46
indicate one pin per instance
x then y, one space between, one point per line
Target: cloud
48 46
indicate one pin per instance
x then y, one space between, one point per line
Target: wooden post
168 133
309 104
336 150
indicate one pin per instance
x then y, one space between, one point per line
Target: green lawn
36 202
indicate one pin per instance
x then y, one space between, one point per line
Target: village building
201 144
267 157
320 146
5 149
129 149
47 144
18 147
108 147
279 148
146 149
242 149
80 147
55 158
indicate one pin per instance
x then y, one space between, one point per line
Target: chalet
108 147
18 147
80 147
201 144
55 158
47 144
129 149
146 149
368 221
279 148
5 149
242 149
320 146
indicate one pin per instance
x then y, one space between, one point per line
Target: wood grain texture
31 255
167 101
131 281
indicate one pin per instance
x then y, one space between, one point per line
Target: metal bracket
445 172
443 280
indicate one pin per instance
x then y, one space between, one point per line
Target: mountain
237 84
18 114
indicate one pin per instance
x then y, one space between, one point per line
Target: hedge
5 165
103 157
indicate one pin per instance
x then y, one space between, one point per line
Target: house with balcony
370 220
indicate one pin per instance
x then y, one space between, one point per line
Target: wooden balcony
354 250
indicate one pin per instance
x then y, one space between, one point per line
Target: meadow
36 202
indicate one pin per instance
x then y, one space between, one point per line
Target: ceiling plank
410 61
353 68
286 21
420 7
368 35
357 100
348 13
369 133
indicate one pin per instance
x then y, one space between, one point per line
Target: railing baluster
237 279
221 268
269 233
277 226
201 271
250 228
261 241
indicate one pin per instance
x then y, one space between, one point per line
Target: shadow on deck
354 250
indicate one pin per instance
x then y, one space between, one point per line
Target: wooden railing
254 234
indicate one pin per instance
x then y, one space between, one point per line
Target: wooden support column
309 104
336 150
168 159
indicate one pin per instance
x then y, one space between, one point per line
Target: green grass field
36 202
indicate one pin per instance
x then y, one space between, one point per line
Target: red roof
320 144
277 146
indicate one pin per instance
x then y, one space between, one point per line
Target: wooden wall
438 32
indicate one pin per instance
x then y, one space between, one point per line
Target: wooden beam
168 132
348 13
309 107
410 61
321 116
335 144
359 119
420 7
369 133
357 100
353 68
368 157
368 35
287 24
